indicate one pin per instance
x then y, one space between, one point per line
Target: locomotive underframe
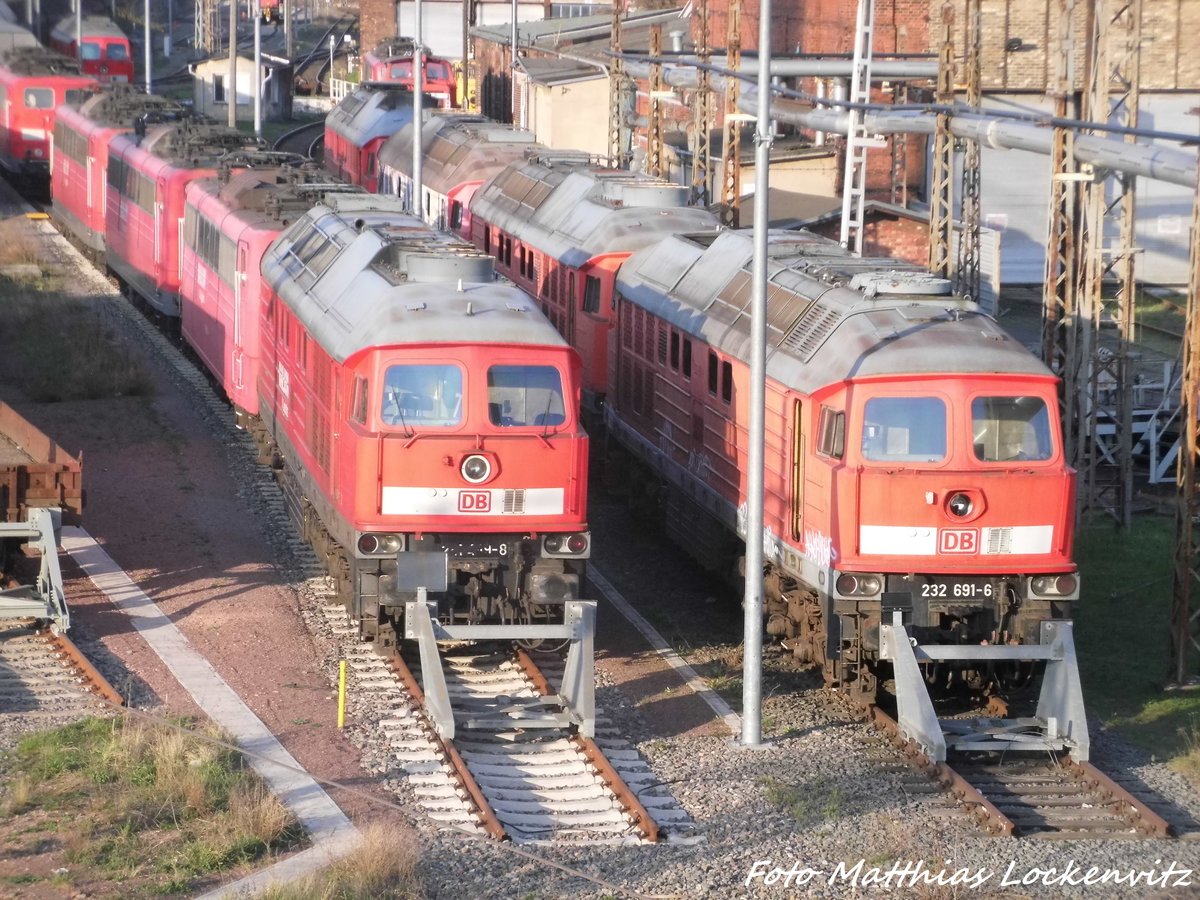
491 579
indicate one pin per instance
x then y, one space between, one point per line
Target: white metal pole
79 30
289 48
231 91
753 600
512 71
332 44
418 70
257 79
149 51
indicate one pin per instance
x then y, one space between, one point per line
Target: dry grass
17 246
1187 761
147 804
55 347
383 866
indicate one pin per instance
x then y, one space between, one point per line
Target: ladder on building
854 181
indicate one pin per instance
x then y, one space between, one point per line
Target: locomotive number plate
950 589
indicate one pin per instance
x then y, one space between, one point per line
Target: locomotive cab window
525 395
91 51
591 295
118 51
831 431
422 395
906 429
1010 428
39 98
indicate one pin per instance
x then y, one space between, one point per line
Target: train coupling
44 599
1060 723
575 705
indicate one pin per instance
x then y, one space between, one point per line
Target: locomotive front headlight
577 543
850 585
368 543
553 543
960 505
476 469
1053 585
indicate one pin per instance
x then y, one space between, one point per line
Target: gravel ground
825 791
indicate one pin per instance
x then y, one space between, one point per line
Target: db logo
474 501
958 540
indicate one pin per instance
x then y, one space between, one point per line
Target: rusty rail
991 819
487 816
1137 813
643 821
91 674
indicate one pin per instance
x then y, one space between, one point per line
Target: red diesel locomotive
106 54
427 413
561 225
228 223
356 128
462 151
79 183
914 459
393 61
33 82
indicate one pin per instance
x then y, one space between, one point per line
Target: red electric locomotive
561 225
429 417
356 128
914 462
106 54
147 174
461 152
33 81
270 10
393 61
228 224
79 185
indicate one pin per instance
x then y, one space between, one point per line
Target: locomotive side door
239 280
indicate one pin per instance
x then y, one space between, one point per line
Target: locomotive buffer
1059 726
574 706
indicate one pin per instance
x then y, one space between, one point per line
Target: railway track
1047 796
307 140
509 773
46 680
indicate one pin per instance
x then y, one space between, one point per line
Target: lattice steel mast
731 156
941 191
854 178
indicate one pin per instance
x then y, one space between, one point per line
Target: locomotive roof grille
121 104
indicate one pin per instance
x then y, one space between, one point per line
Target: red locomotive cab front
964 506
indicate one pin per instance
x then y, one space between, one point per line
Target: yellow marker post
342 694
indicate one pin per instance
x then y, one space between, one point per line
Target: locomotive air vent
872 283
442 268
810 332
642 195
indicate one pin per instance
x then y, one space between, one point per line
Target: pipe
1167 164
683 73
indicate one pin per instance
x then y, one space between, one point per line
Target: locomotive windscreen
525 395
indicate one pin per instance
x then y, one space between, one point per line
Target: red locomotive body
79 185
33 82
146 180
461 152
270 10
561 225
228 224
392 61
428 413
106 53
913 451
356 128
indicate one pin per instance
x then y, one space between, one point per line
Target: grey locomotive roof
831 315
93 26
359 272
375 109
274 197
38 61
569 208
457 149
199 142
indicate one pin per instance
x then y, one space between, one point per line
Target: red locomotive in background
106 54
33 82
392 61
